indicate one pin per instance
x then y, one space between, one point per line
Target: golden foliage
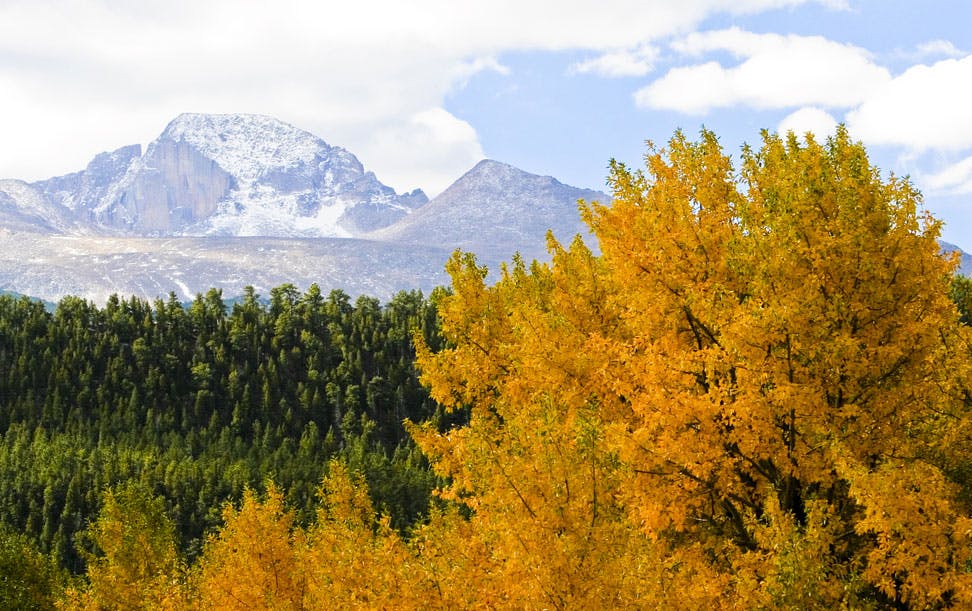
756 396
759 376
252 562
138 567
354 559
348 559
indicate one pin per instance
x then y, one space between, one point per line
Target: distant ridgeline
199 402
965 259
248 199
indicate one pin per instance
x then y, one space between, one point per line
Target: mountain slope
495 209
23 207
94 267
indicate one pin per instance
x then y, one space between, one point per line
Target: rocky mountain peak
251 146
230 175
490 169
493 175
495 205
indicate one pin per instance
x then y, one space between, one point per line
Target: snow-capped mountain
233 200
77 195
228 201
495 209
230 175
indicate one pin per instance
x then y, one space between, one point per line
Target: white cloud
939 48
935 49
926 107
481 64
79 77
776 72
621 63
809 119
955 179
440 148
693 90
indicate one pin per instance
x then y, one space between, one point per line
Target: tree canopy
758 391
197 402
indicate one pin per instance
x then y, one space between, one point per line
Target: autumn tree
354 559
135 564
251 562
536 468
349 558
757 392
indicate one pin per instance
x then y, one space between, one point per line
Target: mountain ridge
234 174
227 201
249 200
492 206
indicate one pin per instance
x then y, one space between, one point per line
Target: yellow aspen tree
756 394
353 557
252 561
136 565
535 465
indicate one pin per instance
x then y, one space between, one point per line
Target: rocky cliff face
169 189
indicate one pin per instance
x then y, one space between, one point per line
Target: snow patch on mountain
23 196
252 147
24 207
267 212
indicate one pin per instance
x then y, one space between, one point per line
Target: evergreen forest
196 403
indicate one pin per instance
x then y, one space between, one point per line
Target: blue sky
422 90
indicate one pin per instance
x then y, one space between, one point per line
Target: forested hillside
197 403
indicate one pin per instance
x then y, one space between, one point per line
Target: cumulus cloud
81 77
809 119
776 72
622 63
440 148
926 107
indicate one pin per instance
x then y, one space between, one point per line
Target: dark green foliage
28 579
196 403
961 294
